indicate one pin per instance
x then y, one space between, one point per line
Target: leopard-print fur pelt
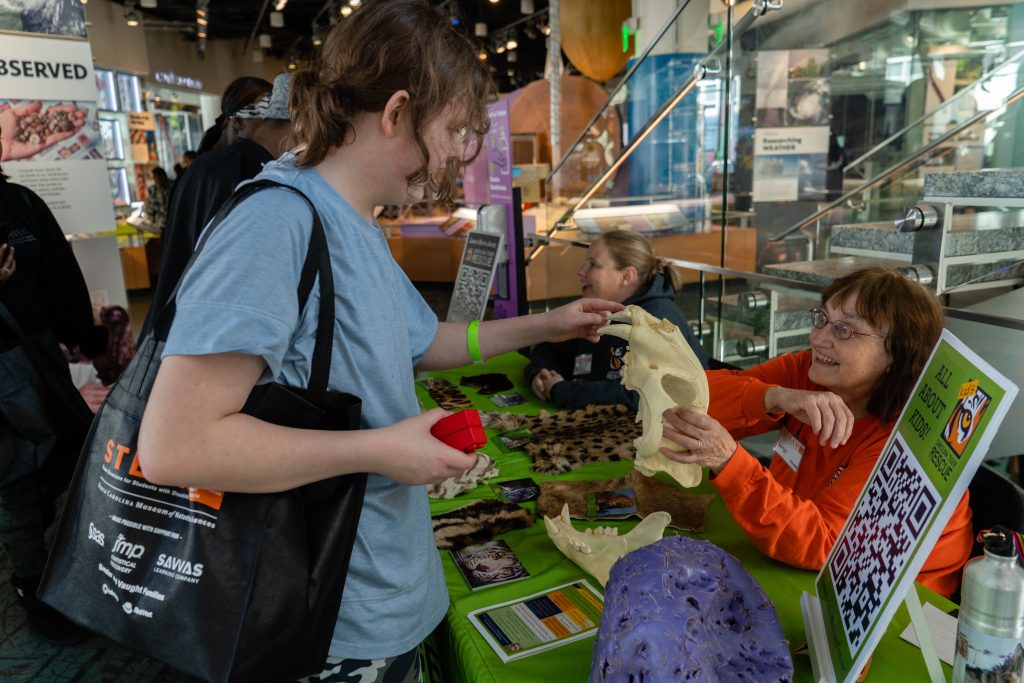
447 395
566 440
478 522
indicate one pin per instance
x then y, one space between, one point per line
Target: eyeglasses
840 328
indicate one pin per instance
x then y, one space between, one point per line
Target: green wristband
473 341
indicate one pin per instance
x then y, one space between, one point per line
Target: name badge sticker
789 448
582 364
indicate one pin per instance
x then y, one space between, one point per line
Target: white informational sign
939 441
476 272
789 163
51 136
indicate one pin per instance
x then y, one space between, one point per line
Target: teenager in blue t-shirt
391 114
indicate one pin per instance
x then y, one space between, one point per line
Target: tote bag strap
316 263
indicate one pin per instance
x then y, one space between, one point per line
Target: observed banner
51 136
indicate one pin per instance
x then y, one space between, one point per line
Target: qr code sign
898 504
470 295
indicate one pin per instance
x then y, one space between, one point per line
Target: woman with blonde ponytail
620 266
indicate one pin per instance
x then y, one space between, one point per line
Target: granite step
824 271
988 232
996 183
790 314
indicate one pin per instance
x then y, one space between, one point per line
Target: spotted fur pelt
478 522
566 440
447 395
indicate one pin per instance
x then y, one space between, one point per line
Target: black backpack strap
316 263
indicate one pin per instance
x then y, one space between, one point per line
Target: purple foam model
686 610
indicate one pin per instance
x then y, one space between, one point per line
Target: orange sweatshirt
796 516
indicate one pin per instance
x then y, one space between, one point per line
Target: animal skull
596 550
662 367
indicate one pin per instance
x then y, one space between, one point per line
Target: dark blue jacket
600 382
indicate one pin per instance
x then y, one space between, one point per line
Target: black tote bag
41 412
224 586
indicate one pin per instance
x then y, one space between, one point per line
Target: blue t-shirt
240 296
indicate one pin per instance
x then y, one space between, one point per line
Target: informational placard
476 272
938 443
523 627
142 131
791 143
51 136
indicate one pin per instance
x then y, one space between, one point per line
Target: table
457 652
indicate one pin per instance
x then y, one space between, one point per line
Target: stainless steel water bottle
990 628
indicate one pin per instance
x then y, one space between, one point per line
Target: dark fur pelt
478 522
487 383
566 440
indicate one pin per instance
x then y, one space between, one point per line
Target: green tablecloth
463 655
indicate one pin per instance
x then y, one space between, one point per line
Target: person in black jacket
262 130
620 266
42 287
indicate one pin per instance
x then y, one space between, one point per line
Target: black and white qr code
898 504
469 297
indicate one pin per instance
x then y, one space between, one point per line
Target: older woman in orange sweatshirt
835 406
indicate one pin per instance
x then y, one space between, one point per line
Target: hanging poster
791 143
939 441
49 129
789 163
53 17
142 132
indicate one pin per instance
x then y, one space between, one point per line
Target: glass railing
667 108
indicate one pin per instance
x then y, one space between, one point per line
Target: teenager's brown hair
383 47
913 317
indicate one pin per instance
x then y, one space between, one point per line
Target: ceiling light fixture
257 56
266 40
131 14
147 4
511 44
480 29
276 20
511 56
280 5
499 49
526 6
482 55
355 3
346 10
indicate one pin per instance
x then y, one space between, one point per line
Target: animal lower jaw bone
662 367
596 550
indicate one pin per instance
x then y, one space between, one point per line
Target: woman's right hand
825 413
416 457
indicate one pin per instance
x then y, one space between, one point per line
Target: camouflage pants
401 669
